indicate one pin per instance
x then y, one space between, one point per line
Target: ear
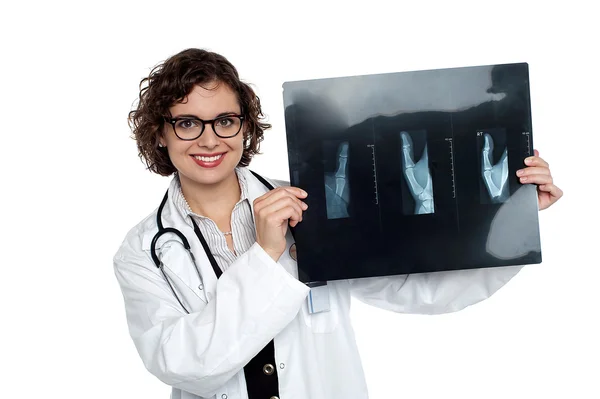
247 138
161 139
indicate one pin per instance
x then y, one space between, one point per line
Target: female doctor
227 319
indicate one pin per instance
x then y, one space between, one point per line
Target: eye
225 122
187 124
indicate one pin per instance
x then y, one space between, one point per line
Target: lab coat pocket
326 321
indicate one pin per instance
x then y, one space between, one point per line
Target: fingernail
523 179
528 160
305 193
519 172
304 205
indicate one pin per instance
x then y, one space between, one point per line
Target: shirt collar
184 208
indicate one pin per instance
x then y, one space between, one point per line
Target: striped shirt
242 225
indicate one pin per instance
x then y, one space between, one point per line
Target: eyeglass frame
173 121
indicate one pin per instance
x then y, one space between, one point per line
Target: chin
211 177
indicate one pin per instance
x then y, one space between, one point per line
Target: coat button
268 369
223 396
274 397
282 365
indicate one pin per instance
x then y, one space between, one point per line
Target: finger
282 203
552 189
294 223
276 193
282 195
536 161
536 153
536 179
280 192
297 191
533 170
282 215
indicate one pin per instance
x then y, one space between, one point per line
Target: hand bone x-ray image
494 174
418 175
337 187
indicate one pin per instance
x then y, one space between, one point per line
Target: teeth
208 159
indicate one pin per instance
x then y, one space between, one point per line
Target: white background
72 184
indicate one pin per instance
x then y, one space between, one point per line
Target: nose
208 139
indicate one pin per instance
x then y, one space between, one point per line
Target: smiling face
209 159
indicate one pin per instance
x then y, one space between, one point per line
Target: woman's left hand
538 172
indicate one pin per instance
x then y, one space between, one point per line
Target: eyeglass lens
226 126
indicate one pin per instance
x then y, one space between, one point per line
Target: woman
231 321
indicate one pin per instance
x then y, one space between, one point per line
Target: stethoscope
162 231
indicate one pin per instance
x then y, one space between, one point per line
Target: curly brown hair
171 82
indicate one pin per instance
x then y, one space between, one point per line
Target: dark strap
263 180
209 254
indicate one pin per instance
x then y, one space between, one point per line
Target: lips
208 160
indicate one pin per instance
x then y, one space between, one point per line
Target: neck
215 201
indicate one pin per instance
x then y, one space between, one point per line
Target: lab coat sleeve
254 300
432 293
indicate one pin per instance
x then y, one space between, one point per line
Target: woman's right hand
272 211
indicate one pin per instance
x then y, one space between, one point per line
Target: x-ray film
412 172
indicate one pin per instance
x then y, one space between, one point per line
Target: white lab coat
202 354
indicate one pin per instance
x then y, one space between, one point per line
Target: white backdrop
72 184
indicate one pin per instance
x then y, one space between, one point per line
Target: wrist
273 254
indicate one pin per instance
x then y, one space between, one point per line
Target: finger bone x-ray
495 174
412 172
337 188
418 175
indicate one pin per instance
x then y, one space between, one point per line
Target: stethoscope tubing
162 230
158 262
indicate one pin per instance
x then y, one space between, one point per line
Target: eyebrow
197 117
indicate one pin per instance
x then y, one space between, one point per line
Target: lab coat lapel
255 188
177 220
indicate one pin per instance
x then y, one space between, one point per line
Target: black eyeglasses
190 128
